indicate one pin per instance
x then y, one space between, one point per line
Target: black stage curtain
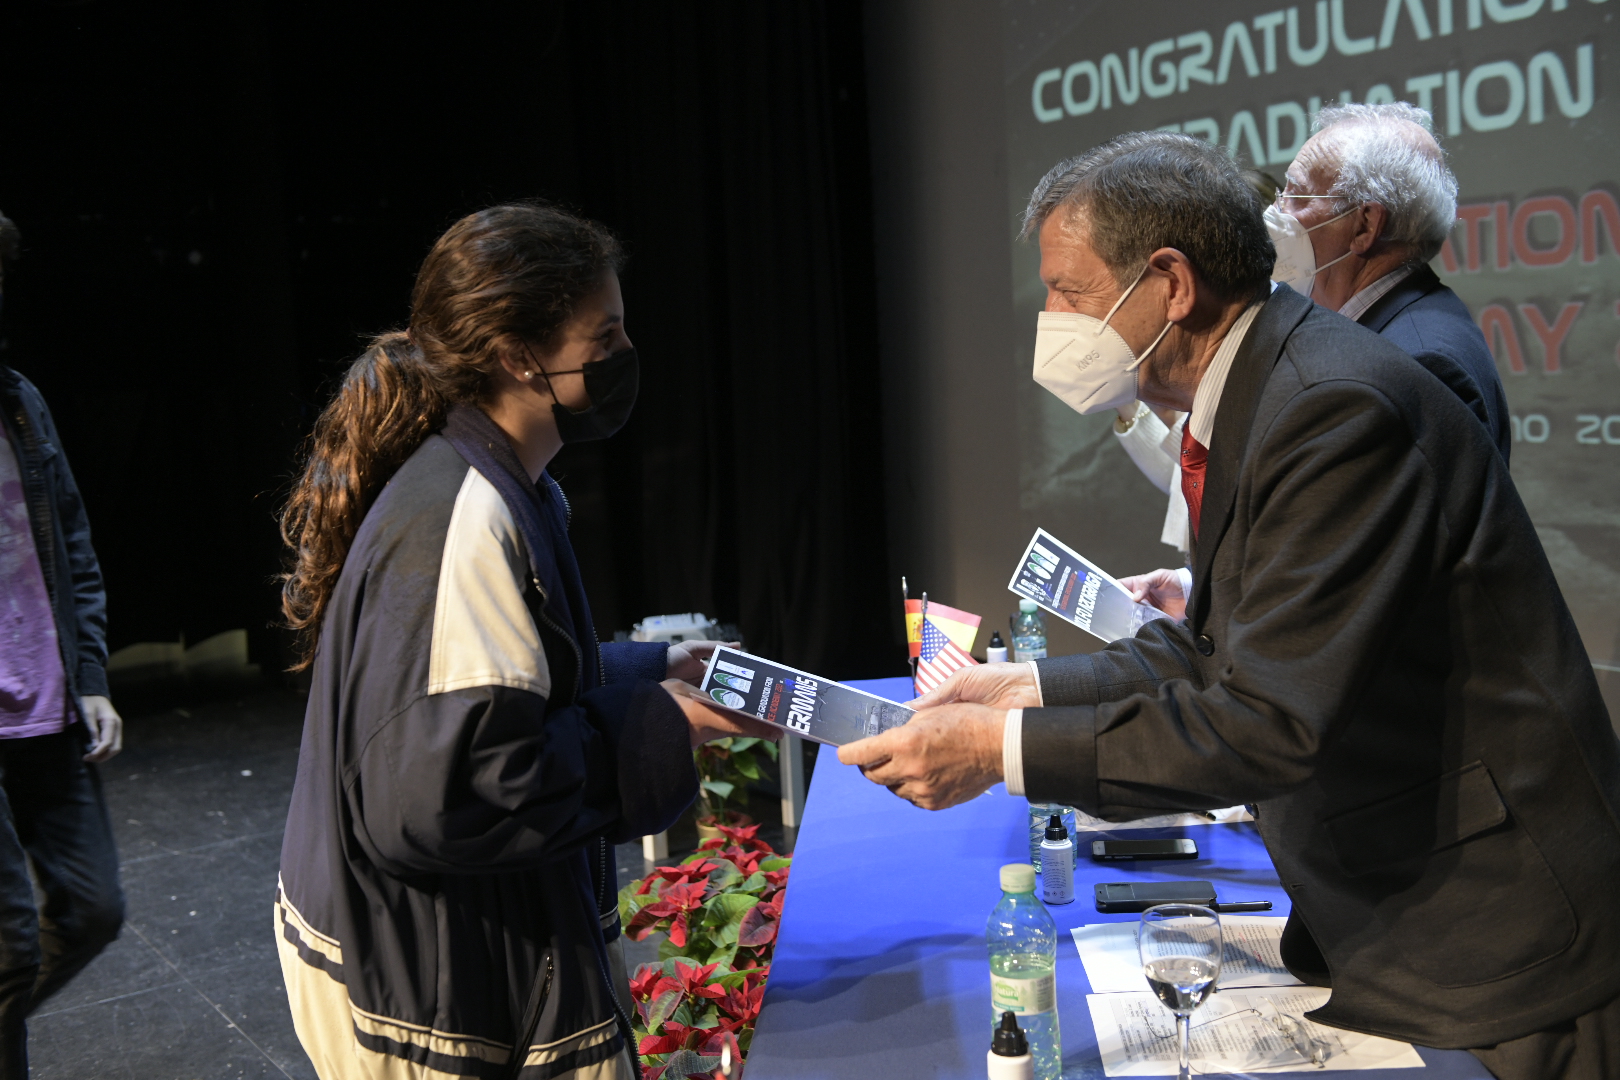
219 202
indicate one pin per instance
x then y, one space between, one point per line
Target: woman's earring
528 374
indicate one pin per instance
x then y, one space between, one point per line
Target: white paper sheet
1232 1036
1251 956
1084 822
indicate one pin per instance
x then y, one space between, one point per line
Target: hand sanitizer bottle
996 651
1057 864
1009 1057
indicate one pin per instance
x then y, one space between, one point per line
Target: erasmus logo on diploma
805 704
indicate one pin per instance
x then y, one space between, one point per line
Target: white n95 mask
1296 259
1084 361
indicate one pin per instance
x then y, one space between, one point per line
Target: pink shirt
33 686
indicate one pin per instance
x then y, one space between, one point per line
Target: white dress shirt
1156 448
1201 421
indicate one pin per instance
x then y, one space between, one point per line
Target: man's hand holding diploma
950 751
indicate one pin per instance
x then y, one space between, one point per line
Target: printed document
1064 582
1231 815
1252 956
807 705
1236 1032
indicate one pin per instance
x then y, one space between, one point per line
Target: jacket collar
1419 283
541 517
1250 369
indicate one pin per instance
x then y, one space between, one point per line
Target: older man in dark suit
1373 189
1376 651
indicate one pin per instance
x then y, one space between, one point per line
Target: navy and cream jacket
469 753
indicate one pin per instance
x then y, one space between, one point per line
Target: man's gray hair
1154 189
1381 160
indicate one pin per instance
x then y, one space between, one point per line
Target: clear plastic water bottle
1039 812
1023 939
1029 633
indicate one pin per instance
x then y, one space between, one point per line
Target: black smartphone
1118 850
1114 897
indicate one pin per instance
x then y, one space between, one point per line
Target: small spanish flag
961 627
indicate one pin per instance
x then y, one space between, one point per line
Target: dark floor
192 988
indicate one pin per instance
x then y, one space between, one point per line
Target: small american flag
941 657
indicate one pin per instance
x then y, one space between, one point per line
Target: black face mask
611 385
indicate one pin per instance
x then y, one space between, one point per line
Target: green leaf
684 1063
771 749
723 877
630 903
661 1008
754 885
668 950
720 788
779 862
744 743
732 979
724 914
748 767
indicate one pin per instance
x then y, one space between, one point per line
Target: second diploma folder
807 705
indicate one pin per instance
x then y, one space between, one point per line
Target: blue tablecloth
880 966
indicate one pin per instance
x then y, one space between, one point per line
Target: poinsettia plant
718 911
725 767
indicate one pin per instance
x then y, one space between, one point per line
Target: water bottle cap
1055 829
1009 1039
1027 606
1018 877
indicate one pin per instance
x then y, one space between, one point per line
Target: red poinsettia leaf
677 931
757 928
659 1044
644 983
693 974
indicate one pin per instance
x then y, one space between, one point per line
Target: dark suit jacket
1377 654
1432 326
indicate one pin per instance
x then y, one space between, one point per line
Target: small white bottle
1009 1057
996 651
1057 864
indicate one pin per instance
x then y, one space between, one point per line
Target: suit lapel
1418 284
1251 367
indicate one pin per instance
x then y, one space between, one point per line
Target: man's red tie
1194 456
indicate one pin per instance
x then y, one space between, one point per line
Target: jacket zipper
579 657
606 969
530 1022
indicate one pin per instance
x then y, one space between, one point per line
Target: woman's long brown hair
502 278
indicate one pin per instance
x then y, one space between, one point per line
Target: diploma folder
807 705
1076 590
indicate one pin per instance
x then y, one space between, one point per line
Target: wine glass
1180 946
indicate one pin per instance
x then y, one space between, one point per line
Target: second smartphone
1123 850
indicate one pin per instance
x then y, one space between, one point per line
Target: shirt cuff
1184 575
1040 699
1012 752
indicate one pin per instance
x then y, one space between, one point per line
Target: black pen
1242 905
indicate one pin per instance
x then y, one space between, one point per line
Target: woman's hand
1161 588
708 721
688 660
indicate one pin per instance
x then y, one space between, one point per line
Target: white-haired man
1372 194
